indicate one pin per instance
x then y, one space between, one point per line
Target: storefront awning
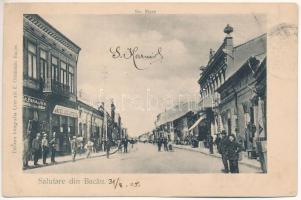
196 123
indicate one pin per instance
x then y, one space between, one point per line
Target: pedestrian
73 144
160 141
217 142
223 151
52 145
210 143
158 144
89 148
26 151
45 148
169 144
125 145
233 149
36 149
119 146
165 144
132 142
108 147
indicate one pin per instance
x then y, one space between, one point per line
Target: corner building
49 82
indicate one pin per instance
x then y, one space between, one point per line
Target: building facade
90 122
49 82
232 87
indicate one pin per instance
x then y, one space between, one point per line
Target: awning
196 123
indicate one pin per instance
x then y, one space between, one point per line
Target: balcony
56 88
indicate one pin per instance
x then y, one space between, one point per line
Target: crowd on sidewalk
42 148
226 147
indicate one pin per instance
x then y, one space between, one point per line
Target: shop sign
69 112
32 102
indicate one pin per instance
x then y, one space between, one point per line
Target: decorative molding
45 27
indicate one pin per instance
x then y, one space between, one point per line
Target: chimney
228 48
211 53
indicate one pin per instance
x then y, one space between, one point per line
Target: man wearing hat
223 151
52 145
45 148
36 149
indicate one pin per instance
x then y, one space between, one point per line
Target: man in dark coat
165 144
36 149
108 147
217 142
233 150
210 143
52 144
125 145
223 151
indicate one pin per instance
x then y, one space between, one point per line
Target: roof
256 62
176 112
242 52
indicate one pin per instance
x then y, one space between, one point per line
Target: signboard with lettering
33 102
65 111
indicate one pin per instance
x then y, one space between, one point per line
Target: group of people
166 144
40 147
230 150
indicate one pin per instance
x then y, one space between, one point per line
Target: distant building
90 122
174 123
49 81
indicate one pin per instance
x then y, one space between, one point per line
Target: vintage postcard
150 99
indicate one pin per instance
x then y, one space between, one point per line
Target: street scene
136 162
144 94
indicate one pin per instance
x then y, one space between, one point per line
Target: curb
218 156
67 161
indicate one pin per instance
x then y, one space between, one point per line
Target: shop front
34 117
63 123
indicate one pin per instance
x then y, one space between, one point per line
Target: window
63 73
43 65
32 60
71 78
54 69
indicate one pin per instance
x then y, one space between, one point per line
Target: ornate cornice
51 31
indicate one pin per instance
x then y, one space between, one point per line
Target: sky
166 79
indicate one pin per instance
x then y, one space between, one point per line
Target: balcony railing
57 88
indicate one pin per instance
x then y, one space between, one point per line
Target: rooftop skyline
177 44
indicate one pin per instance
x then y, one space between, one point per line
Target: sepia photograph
150 99
144 94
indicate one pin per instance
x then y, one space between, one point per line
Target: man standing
125 144
223 151
26 151
73 145
233 150
89 147
165 144
52 144
217 142
108 147
210 143
36 148
45 148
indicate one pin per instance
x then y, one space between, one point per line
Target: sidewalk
67 158
245 160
